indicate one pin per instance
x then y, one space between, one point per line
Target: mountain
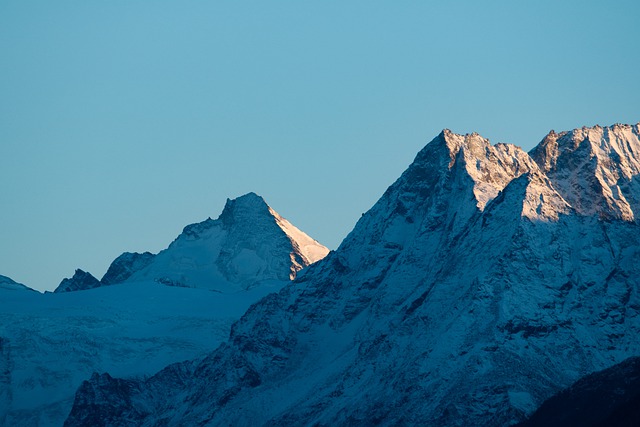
7 284
80 281
608 398
483 281
135 326
248 243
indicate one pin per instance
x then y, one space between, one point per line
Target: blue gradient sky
122 121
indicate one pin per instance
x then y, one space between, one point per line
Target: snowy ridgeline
129 323
483 281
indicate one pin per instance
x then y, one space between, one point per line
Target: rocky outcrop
80 281
124 266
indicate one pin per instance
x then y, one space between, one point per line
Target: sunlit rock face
484 280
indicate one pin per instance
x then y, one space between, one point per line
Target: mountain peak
248 205
80 281
247 244
490 167
594 169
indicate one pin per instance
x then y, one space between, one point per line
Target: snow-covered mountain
8 284
50 343
80 281
248 243
484 280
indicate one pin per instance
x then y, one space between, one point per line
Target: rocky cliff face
484 280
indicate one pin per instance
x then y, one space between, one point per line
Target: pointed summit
451 180
247 244
80 281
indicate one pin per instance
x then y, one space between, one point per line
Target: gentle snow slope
51 342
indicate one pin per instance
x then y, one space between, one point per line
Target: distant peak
81 280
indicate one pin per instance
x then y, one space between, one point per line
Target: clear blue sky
123 121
